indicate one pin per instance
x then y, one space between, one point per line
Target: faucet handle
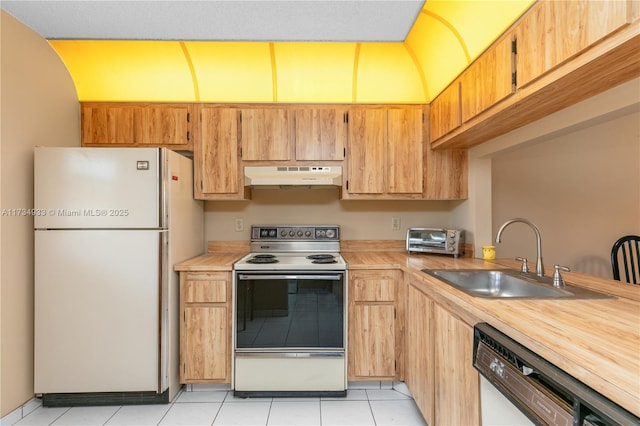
557 278
525 266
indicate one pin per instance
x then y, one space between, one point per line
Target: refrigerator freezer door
89 188
97 309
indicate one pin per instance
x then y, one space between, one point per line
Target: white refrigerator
110 223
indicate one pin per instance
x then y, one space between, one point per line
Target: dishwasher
536 391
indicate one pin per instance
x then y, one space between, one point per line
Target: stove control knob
283 233
292 233
331 233
300 233
307 233
320 233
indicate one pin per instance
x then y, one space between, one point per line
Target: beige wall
581 189
359 220
39 107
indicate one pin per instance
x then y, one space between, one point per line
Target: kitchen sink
510 284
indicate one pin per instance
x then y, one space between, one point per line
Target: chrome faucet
539 265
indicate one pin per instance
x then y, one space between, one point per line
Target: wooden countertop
210 262
595 341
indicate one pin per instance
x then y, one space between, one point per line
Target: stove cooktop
291 262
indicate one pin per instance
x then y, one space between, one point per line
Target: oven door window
290 311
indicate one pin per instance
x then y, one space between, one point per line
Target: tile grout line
115 412
219 408
57 418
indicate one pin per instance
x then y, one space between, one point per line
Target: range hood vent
292 176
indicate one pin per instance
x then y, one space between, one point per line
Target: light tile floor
366 403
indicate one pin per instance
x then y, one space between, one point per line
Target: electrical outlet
239 224
395 223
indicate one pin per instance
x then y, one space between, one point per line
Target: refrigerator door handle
163 175
163 275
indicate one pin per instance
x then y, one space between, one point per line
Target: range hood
292 176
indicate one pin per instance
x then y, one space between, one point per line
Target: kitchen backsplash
359 220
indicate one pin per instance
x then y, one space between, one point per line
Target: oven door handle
290 277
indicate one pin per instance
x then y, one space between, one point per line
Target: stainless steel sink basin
507 283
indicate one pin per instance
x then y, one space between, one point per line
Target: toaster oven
435 240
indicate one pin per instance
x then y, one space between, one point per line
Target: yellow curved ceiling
445 38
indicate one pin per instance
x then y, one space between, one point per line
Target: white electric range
290 313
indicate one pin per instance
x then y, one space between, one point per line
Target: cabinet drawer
374 286
206 288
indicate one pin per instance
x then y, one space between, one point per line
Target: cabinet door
164 125
405 150
565 29
446 172
216 153
266 134
206 288
488 80
321 133
419 375
205 327
367 150
531 40
372 343
445 111
206 352
373 334
457 385
373 286
108 124
552 32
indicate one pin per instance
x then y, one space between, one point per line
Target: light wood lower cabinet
456 382
439 362
205 327
419 365
374 337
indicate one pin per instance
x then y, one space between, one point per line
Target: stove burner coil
321 257
263 258
324 261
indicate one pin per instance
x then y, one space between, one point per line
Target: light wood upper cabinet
374 338
137 124
385 153
488 80
164 125
266 134
405 150
531 46
446 173
205 327
567 51
106 123
218 174
554 31
320 133
445 113
366 156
